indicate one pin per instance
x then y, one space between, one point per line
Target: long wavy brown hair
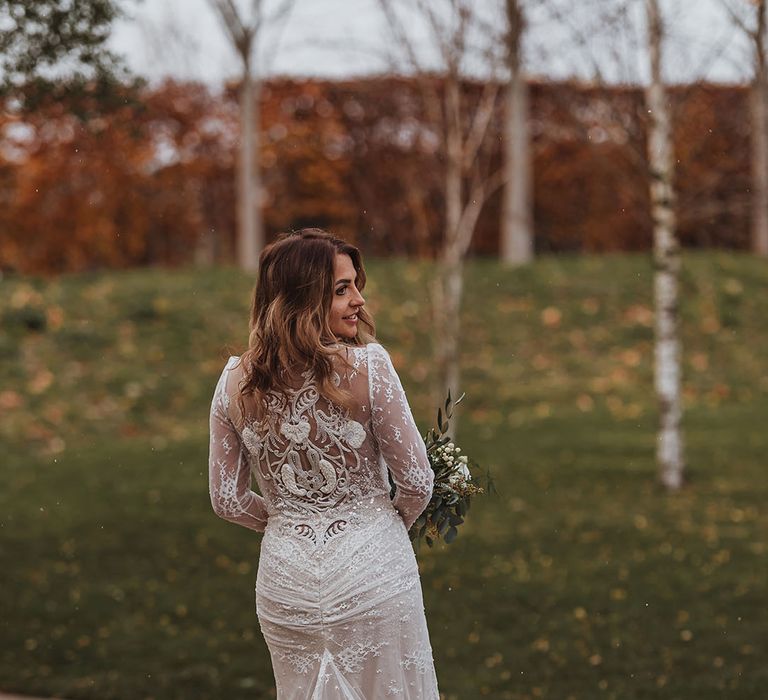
289 330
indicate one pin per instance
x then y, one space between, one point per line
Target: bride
315 411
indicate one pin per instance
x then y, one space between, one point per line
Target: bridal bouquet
455 484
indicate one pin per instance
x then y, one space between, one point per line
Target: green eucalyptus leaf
450 536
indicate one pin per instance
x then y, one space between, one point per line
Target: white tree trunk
244 36
448 294
250 236
760 140
516 239
669 452
450 279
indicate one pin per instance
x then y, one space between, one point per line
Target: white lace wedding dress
338 594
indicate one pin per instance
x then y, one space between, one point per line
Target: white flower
296 432
461 475
354 434
463 459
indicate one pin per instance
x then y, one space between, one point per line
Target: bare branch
440 34
478 196
279 20
582 40
234 26
432 102
481 120
399 34
738 21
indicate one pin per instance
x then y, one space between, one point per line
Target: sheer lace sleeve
399 440
229 475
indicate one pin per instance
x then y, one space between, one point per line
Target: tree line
150 180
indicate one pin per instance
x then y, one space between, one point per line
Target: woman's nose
359 301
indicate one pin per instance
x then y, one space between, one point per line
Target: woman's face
346 298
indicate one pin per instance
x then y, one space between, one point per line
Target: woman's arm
229 476
399 439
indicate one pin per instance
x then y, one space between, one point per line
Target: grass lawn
583 579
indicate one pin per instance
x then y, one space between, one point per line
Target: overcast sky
339 38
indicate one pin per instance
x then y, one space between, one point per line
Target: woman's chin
344 329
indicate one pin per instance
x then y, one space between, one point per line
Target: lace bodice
316 463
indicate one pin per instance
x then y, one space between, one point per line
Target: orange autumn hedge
151 180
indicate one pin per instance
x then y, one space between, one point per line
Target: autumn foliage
151 180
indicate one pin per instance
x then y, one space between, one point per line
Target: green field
583 579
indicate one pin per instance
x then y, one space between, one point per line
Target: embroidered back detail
334 529
306 530
305 449
311 456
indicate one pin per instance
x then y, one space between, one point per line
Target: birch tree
516 231
244 32
666 255
750 18
468 179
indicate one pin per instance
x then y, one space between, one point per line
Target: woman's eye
341 290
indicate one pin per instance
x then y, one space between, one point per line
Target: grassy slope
582 580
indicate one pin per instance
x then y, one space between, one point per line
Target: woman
316 412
